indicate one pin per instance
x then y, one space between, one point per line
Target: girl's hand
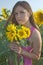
14 47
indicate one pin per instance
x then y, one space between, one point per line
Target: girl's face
21 15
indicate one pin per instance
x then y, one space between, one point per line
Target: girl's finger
15 50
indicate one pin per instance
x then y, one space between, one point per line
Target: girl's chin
21 23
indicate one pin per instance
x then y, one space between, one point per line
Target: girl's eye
22 12
15 13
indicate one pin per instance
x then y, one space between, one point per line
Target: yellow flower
11 27
0 19
3 9
38 17
21 34
23 27
27 30
11 32
11 36
4 13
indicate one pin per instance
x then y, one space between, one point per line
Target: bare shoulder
36 35
37 42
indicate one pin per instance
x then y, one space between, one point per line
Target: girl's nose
18 15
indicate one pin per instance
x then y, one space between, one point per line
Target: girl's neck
28 24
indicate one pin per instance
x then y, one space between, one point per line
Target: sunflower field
38 17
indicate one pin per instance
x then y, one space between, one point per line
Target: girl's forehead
20 8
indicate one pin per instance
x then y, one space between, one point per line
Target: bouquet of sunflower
17 33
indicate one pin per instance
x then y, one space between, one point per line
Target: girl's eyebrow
22 11
15 13
19 11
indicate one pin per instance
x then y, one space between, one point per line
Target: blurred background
5 11
35 4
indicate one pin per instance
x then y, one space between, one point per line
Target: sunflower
4 13
11 27
10 35
38 17
27 30
3 10
24 32
21 34
11 32
0 19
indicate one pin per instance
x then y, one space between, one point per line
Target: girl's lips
20 20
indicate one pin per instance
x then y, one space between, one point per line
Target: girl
22 14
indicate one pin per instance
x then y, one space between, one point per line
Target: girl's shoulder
36 35
34 32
